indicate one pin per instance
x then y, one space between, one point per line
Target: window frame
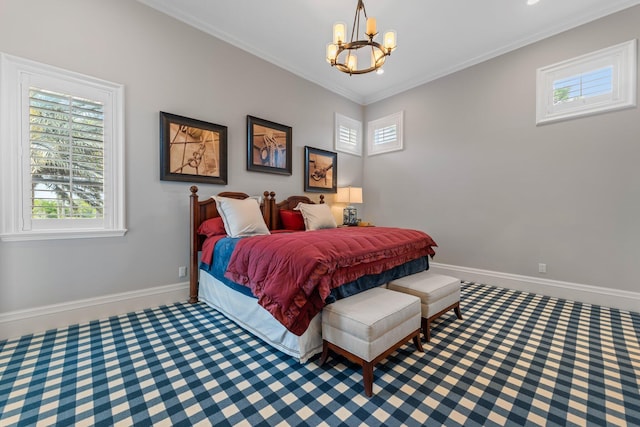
352 124
17 75
396 119
621 57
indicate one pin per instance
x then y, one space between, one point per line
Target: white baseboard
39 319
615 298
34 320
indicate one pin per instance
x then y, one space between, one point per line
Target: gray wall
165 66
498 192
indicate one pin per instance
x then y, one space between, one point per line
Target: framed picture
192 150
269 146
320 170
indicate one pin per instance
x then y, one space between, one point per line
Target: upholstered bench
438 294
369 326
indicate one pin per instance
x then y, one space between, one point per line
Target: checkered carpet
515 359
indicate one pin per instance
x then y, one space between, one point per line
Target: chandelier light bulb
352 62
332 51
390 42
339 31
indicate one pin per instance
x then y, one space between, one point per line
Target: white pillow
241 217
316 216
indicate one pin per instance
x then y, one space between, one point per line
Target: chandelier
344 55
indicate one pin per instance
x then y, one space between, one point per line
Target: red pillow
291 220
212 227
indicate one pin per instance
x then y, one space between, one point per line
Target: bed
255 282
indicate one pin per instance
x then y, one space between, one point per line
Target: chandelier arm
353 46
362 43
347 70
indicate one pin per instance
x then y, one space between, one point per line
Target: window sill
60 234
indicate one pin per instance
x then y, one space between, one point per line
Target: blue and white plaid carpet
515 359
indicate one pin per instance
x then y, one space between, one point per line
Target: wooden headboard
288 204
203 210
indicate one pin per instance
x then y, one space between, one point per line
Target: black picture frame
269 146
192 150
320 170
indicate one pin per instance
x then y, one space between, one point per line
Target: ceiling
435 37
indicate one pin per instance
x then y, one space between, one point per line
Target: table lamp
349 195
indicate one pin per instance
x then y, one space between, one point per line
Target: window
61 153
596 82
385 134
582 86
348 135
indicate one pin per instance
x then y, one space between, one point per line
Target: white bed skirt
246 313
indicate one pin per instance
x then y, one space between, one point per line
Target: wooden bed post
193 257
269 210
266 210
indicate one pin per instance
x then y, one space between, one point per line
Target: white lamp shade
349 195
355 195
342 196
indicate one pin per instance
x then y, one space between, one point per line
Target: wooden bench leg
457 310
426 329
367 375
367 366
417 341
325 352
426 322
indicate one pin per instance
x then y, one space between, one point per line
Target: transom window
584 85
600 81
385 134
348 135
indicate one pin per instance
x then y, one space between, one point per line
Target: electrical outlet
182 271
542 268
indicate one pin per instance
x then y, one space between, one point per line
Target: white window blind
348 135
66 156
385 134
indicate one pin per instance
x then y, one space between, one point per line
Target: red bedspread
292 274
